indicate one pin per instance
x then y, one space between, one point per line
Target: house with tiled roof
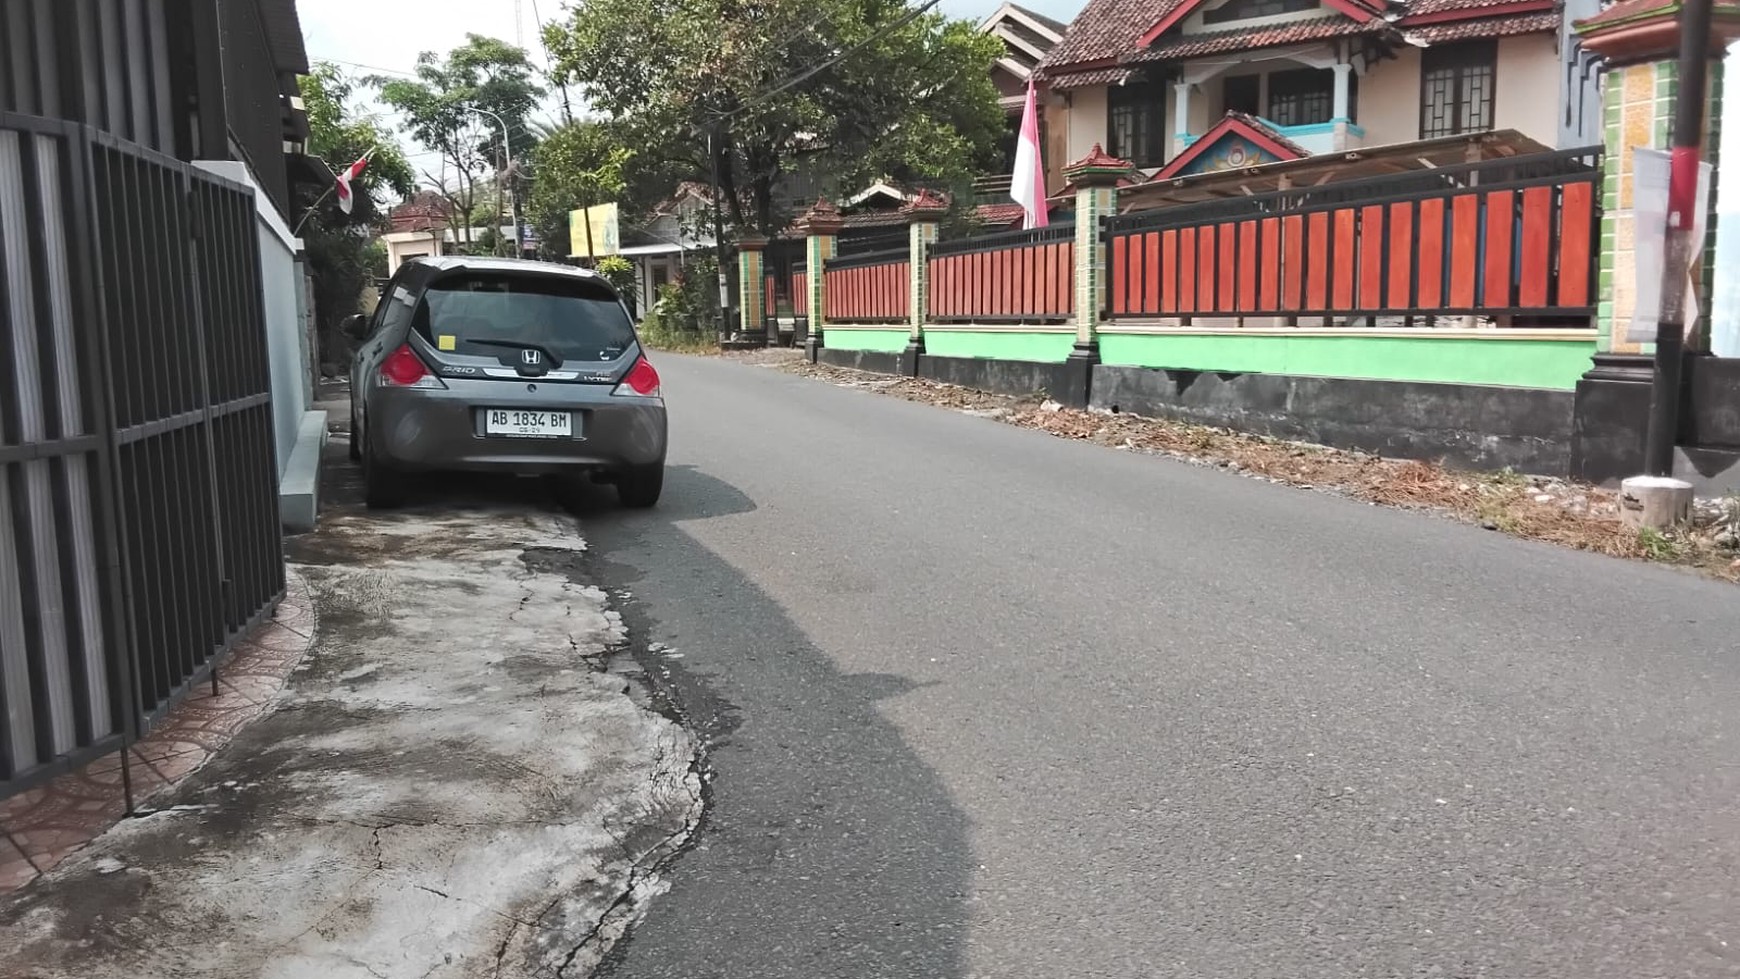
1186 87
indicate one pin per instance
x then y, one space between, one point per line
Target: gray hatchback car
499 365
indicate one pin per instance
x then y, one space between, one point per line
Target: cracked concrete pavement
463 779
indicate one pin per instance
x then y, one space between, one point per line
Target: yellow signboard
606 238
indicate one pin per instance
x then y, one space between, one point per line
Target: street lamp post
507 151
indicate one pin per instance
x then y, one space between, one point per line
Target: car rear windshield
474 315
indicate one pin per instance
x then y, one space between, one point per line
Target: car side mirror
356 326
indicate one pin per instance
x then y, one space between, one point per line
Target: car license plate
528 424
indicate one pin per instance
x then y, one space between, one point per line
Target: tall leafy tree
576 165
341 253
730 83
457 106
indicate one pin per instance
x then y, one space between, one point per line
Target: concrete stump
1655 502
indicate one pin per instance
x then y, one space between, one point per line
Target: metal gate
139 533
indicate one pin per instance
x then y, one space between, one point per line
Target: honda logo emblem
530 358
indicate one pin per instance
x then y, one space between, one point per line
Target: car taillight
641 380
404 369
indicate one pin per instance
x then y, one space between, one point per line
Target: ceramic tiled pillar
1095 178
922 214
1640 50
820 226
1638 46
752 286
1638 108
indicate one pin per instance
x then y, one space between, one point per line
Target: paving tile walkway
45 825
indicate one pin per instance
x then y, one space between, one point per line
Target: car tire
383 489
639 488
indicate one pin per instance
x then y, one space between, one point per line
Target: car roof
448 263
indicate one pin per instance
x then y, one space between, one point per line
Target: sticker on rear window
446 341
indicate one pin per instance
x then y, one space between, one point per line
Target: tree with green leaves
576 165
342 253
457 106
735 85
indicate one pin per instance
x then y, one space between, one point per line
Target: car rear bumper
415 430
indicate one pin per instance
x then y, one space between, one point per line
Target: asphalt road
987 703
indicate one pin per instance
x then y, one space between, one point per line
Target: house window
1244 93
1251 9
1302 97
1136 122
1456 85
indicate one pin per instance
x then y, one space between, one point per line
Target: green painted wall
1045 348
891 340
1456 360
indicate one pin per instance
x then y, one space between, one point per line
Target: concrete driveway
465 778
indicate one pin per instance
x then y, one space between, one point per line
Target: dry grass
1553 511
695 344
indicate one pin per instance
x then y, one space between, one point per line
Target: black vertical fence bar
119 661
139 532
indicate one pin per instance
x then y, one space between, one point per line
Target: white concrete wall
1086 122
1725 302
405 244
280 285
1528 69
1579 81
1389 100
1528 85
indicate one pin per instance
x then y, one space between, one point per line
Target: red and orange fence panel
1009 277
873 287
1510 237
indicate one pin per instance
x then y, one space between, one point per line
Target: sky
385 36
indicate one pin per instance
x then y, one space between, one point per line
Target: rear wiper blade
549 355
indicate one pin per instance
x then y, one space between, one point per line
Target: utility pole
715 148
1664 396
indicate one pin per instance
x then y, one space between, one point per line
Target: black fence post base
909 357
1078 373
1609 414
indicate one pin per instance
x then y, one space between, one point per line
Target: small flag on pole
347 197
1027 187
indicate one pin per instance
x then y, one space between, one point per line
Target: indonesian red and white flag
1027 188
346 196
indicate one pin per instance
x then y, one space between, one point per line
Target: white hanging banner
1650 175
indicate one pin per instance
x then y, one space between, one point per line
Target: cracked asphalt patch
458 782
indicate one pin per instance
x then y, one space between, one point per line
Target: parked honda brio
499 365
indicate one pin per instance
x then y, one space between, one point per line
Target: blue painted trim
1185 138
1316 128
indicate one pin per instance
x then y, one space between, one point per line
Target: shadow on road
830 849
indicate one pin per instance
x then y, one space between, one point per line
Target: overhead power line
357 64
825 64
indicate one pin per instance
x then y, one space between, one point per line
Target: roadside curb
44 826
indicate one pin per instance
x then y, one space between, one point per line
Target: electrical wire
358 64
815 70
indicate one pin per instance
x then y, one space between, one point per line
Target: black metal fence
139 533
847 246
